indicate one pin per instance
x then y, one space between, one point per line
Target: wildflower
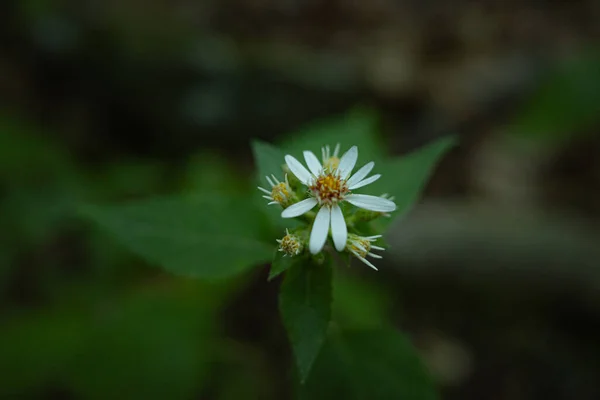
361 246
280 193
328 186
290 244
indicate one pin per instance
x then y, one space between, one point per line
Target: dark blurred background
494 274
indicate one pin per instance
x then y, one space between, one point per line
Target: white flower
361 246
328 187
280 193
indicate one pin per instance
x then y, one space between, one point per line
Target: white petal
374 255
299 208
372 203
347 162
363 259
337 150
365 182
377 248
339 231
313 163
361 173
265 190
320 229
298 169
270 181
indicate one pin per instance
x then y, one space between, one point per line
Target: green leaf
356 127
359 302
269 161
305 306
206 237
405 177
281 263
368 364
153 344
567 103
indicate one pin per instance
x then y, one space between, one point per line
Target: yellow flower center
280 193
329 188
291 245
360 245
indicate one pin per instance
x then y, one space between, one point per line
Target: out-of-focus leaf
358 302
35 348
212 172
207 237
269 161
305 306
405 177
26 153
356 127
566 104
154 344
368 364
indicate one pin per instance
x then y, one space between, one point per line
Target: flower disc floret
361 246
281 193
290 244
329 188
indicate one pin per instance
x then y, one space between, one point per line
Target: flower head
361 246
290 244
330 184
280 193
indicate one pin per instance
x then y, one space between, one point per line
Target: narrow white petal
275 179
364 260
298 169
365 182
270 181
374 255
264 190
372 203
337 150
377 248
273 202
320 229
323 155
313 163
361 173
267 197
339 231
373 237
299 208
347 162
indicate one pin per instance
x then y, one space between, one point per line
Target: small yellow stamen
329 188
280 193
290 244
360 245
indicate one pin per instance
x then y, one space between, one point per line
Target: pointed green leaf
282 263
355 127
205 237
368 364
405 177
305 306
269 161
567 103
